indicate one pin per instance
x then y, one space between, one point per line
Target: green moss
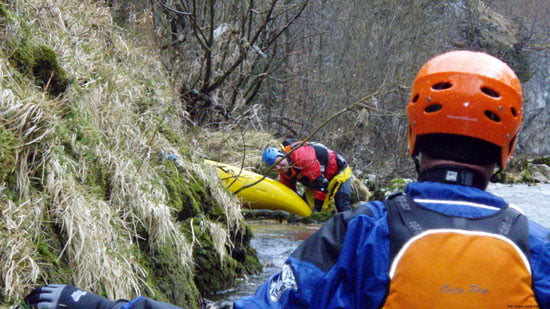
49 246
193 201
6 13
171 136
168 278
79 123
245 255
8 18
543 160
40 63
525 177
210 274
207 280
98 177
188 194
184 196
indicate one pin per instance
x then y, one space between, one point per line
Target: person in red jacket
324 173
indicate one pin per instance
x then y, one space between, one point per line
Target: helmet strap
416 163
494 176
453 174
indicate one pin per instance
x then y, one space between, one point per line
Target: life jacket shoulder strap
406 219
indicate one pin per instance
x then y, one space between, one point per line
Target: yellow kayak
265 193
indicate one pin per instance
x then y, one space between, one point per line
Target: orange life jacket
440 261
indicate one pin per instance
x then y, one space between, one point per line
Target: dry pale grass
27 120
27 115
97 242
18 227
220 237
119 93
234 146
228 203
115 83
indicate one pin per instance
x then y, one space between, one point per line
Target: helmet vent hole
433 108
490 92
442 86
415 98
493 116
514 112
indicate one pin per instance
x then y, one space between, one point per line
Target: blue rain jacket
346 263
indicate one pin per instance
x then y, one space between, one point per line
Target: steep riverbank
88 115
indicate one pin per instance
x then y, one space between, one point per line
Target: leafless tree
285 66
350 50
223 51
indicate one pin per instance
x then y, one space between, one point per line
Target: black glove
320 184
55 296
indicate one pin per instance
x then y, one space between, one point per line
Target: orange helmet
466 93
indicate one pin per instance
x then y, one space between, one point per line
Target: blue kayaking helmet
270 155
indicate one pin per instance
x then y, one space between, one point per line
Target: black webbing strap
407 219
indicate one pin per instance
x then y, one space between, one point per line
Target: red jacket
314 165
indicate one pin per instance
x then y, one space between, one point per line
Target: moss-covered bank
198 213
86 195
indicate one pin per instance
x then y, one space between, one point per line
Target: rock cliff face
479 25
535 138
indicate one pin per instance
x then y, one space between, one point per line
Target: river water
274 241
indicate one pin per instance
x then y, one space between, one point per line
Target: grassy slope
85 111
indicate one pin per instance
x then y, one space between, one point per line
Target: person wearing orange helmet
444 242
465 107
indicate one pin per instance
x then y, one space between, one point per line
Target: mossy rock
543 160
40 63
192 199
212 274
184 196
245 255
189 195
170 281
525 177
